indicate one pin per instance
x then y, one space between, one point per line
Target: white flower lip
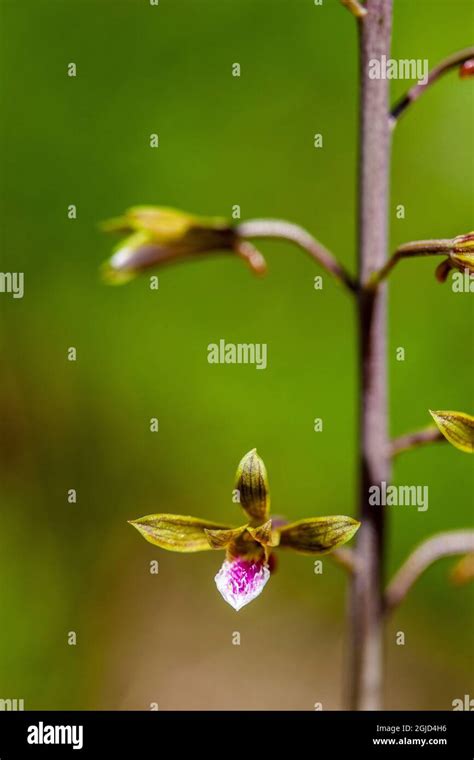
240 581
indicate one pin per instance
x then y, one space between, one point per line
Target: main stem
366 602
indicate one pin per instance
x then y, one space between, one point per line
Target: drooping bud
252 485
159 235
467 69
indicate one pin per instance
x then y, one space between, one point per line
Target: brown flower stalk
453 61
446 544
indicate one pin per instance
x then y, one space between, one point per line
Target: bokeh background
167 638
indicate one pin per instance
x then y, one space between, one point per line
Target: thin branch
451 62
345 558
442 545
413 440
282 230
409 250
356 8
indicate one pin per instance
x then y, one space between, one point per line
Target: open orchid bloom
246 568
157 235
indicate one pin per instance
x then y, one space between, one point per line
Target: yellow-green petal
177 533
169 225
457 428
318 535
252 485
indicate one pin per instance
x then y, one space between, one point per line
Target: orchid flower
247 565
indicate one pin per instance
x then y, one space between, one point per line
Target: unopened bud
467 69
462 255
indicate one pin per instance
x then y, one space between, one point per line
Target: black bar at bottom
137 734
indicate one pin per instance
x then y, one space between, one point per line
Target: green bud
252 484
157 235
457 428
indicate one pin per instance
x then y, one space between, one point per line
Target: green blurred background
167 638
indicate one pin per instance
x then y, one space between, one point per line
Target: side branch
282 230
451 62
442 545
409 250
414 440
356 8
345 558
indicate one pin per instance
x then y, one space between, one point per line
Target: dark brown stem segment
283 230
452 62
414 440
442 545
366 599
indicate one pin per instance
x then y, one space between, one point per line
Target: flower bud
158 235
463 571
457 428
252 484
462 255
467 69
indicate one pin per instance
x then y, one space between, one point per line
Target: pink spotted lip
241 580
